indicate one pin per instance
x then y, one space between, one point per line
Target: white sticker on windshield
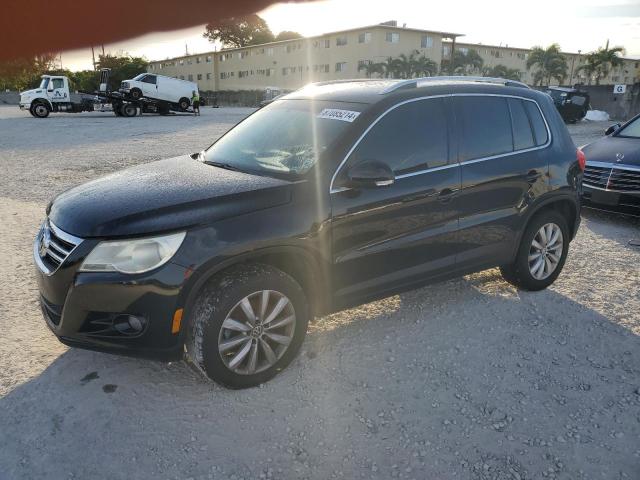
336 114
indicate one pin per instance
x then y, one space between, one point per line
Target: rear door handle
533 175
445 195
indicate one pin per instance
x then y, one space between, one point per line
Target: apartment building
516 58
290 64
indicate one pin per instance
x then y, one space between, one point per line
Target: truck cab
51 94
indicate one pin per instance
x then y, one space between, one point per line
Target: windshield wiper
226 166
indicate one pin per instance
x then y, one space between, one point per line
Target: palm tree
372 68
549 63
465 62
598 64
425 67
502 71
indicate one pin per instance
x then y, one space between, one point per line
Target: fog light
129 324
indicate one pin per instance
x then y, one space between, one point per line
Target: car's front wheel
247 325
542 252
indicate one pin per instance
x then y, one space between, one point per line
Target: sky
574 24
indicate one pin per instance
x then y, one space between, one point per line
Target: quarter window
539 128
485 127
522 134
410 138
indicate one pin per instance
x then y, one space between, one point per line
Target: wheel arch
302 265
38 100
565 204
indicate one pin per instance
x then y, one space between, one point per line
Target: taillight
582 159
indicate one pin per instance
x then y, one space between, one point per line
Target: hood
161 196
607 150
33 91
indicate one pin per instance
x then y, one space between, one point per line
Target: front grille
54 246
614 178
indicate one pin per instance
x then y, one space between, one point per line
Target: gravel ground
467 379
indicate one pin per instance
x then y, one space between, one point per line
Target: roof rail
332 82
421 82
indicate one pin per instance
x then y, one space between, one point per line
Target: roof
374 90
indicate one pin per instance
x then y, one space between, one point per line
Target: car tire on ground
247 325
128 110
541 254
184 104
39 110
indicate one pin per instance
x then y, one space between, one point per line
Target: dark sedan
612 175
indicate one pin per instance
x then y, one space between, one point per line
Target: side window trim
455 159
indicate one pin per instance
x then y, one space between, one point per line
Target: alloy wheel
545 252
257 332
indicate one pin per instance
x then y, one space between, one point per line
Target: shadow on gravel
468 378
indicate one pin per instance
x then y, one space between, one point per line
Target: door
57 91
149 84
388 236
503 172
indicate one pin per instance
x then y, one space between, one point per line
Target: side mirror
612 129
370 174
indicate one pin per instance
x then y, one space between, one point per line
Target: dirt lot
468 379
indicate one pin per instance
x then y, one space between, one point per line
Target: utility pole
93 56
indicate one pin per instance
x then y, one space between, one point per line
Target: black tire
40 110
128 110
218 299
135 93
184 104
518 273
117 109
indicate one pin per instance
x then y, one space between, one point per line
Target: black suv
572 104
334 195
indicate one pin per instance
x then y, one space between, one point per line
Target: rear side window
485 127
410 138
539 127
522 133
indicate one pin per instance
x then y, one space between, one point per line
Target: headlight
132 256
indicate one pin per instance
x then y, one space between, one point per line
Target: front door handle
445 195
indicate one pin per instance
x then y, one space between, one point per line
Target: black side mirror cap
612 129
370 174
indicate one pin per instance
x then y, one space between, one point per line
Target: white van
159 87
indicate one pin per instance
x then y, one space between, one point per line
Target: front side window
632 130
149 79
410 138
285 138
484 127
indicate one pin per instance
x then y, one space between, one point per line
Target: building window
341 41
181 62
243 74
362 63
285 71
209 58
364 37
341 67
446 50
191 78
464 50
327 43
270 51
190 61
244 53
199 76
208 76
392 37
198 59
426 41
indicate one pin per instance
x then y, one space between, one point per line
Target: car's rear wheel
40 110
247 325
128 110
542 252
184 104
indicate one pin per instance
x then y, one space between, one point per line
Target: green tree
549 63
122 68
25 73
373 68
502 71
425 67
465 62
598 64
287 35
239 31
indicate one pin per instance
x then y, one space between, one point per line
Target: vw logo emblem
619 157
45 241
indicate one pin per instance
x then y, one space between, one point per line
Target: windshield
557 95
138 77
44 82
286 137
632 130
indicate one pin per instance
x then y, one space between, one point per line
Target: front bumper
82 308
623 202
